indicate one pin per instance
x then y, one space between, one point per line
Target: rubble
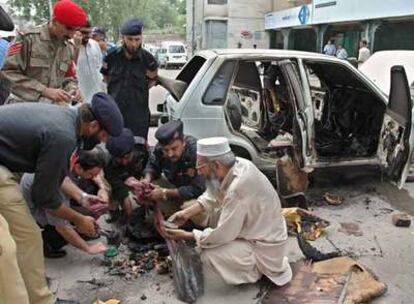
350 229
303 222
401 220
333 199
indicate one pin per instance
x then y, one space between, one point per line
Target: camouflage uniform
35 61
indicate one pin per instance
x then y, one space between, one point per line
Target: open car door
396 138
302 124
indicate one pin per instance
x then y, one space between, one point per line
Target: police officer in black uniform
130 71
129 156
174 157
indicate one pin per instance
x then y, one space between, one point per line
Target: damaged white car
315 109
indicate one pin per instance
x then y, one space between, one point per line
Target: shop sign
297 16
329 11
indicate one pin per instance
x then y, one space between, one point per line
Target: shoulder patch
14 48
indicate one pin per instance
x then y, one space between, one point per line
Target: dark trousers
52 240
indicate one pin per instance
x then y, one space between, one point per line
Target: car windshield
176 49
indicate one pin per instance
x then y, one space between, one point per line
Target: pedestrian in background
364 52
130 71
89 64
329 48
341 53
40 63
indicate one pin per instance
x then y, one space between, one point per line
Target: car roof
264 53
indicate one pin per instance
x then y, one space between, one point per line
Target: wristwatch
164 194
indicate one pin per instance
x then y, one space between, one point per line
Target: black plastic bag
187 271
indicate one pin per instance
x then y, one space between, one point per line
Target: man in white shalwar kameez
246 233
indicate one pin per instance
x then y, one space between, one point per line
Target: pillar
320 35
286 34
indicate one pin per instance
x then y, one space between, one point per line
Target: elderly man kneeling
246 233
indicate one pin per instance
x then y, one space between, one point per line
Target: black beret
170 131
121 145
107 113
132 27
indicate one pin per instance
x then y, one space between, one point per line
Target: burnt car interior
348 115
258 104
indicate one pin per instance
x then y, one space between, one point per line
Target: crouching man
172 167
249 237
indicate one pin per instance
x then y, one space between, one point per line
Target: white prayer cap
213 146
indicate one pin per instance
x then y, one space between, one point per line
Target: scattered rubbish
350 229
143 297
333 199
94 281
313 254
111 301
111 251
401 220
304 222
112 237
338 280
290 179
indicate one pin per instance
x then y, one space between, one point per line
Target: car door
396 138
302 122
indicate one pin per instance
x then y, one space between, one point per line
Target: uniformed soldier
130 71
41 138
129 158
39 65
174 157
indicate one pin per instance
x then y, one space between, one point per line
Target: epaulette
113 51
33 30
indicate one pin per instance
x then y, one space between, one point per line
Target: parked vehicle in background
172 54
378 68
152 48
320 110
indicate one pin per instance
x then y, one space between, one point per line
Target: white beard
213 186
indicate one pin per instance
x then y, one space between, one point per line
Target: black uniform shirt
39 138
183 173
128 85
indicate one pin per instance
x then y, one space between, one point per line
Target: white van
172 53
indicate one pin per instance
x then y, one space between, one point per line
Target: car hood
378 67
175 87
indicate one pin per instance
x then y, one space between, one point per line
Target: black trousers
52 240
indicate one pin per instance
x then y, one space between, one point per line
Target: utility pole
50 9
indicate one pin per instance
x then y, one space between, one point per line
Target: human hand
56 95
77 97
103 195
86 225
179 218
158 194
96 248
178 234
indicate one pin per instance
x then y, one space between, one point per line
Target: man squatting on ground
246 235
57 232
26 145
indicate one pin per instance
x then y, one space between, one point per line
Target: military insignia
191 172
14 48
70 72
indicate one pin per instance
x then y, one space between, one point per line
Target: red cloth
69 13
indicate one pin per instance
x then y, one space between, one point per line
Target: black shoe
59 301
53 254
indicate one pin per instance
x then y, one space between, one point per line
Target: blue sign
304 14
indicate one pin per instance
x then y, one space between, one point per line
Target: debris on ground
350 229
401 220
324 281
333 199
313 254
94 282
301 221
111 301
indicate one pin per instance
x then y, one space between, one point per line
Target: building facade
226 24
385 24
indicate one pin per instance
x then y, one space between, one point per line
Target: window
216 34
176 49
217 90
216 1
